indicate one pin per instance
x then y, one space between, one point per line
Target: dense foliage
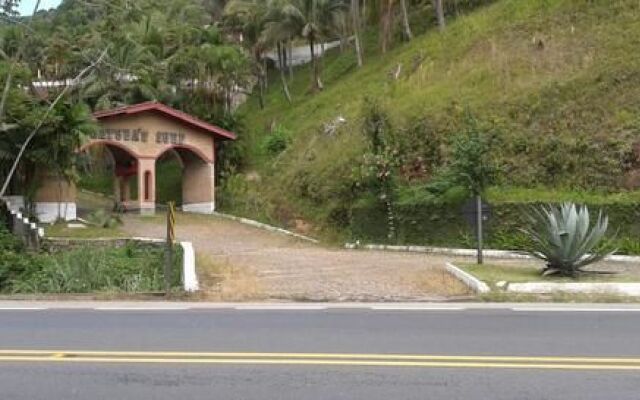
132 269
550 84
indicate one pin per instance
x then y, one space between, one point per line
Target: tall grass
131 269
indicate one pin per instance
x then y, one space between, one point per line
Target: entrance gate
136 137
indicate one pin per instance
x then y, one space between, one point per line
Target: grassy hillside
558 81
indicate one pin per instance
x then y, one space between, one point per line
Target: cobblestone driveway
288 269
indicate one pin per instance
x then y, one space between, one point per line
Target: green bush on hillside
277 141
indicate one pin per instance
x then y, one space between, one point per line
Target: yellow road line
362 363
356 356
373 360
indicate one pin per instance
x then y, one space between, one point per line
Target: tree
307 19
439 10
246 18
405 20
386 23
472 167
125 77
355 22
9 8
380 159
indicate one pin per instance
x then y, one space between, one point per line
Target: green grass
61 230
562 107
492 274
131 269
528 195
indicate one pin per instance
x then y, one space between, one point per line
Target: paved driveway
246 262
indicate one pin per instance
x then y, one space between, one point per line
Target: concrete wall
198 180
55 199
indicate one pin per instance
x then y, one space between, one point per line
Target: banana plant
563 237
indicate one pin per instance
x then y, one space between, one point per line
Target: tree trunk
385 24
261 77
290 49
405 20
321 58
437 6
283 49
281 67
355 20
363 16
316 84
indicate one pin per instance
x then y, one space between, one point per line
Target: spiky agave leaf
563 237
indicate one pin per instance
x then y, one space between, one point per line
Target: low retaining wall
20 225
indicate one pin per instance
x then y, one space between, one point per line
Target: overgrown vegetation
132 269
553 82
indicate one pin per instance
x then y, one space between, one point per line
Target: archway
136 137
110 169
185 176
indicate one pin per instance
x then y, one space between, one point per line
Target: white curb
623 289
189 276
267 227
501 254
471 281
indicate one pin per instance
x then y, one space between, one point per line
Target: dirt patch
246 263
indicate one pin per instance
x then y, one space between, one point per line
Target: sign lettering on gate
138 135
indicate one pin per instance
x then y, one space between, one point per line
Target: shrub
12 261
103 219
277 141
563 238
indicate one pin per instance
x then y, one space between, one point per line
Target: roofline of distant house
154 106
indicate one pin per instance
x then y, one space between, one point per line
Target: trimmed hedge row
447 227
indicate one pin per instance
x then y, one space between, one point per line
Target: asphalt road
318 353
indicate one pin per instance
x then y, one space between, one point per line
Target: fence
20 225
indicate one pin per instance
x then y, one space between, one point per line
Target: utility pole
171 235
479 227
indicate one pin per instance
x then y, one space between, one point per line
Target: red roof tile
169 112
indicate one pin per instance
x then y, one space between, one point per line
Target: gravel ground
283 268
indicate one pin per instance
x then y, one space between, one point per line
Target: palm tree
307 19
247 19
125 77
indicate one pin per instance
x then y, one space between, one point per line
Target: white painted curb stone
500 254
189 276
471 281
266 227
624 289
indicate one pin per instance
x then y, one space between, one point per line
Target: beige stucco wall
155 124
197 182
54 189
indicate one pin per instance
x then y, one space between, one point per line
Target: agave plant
563 238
